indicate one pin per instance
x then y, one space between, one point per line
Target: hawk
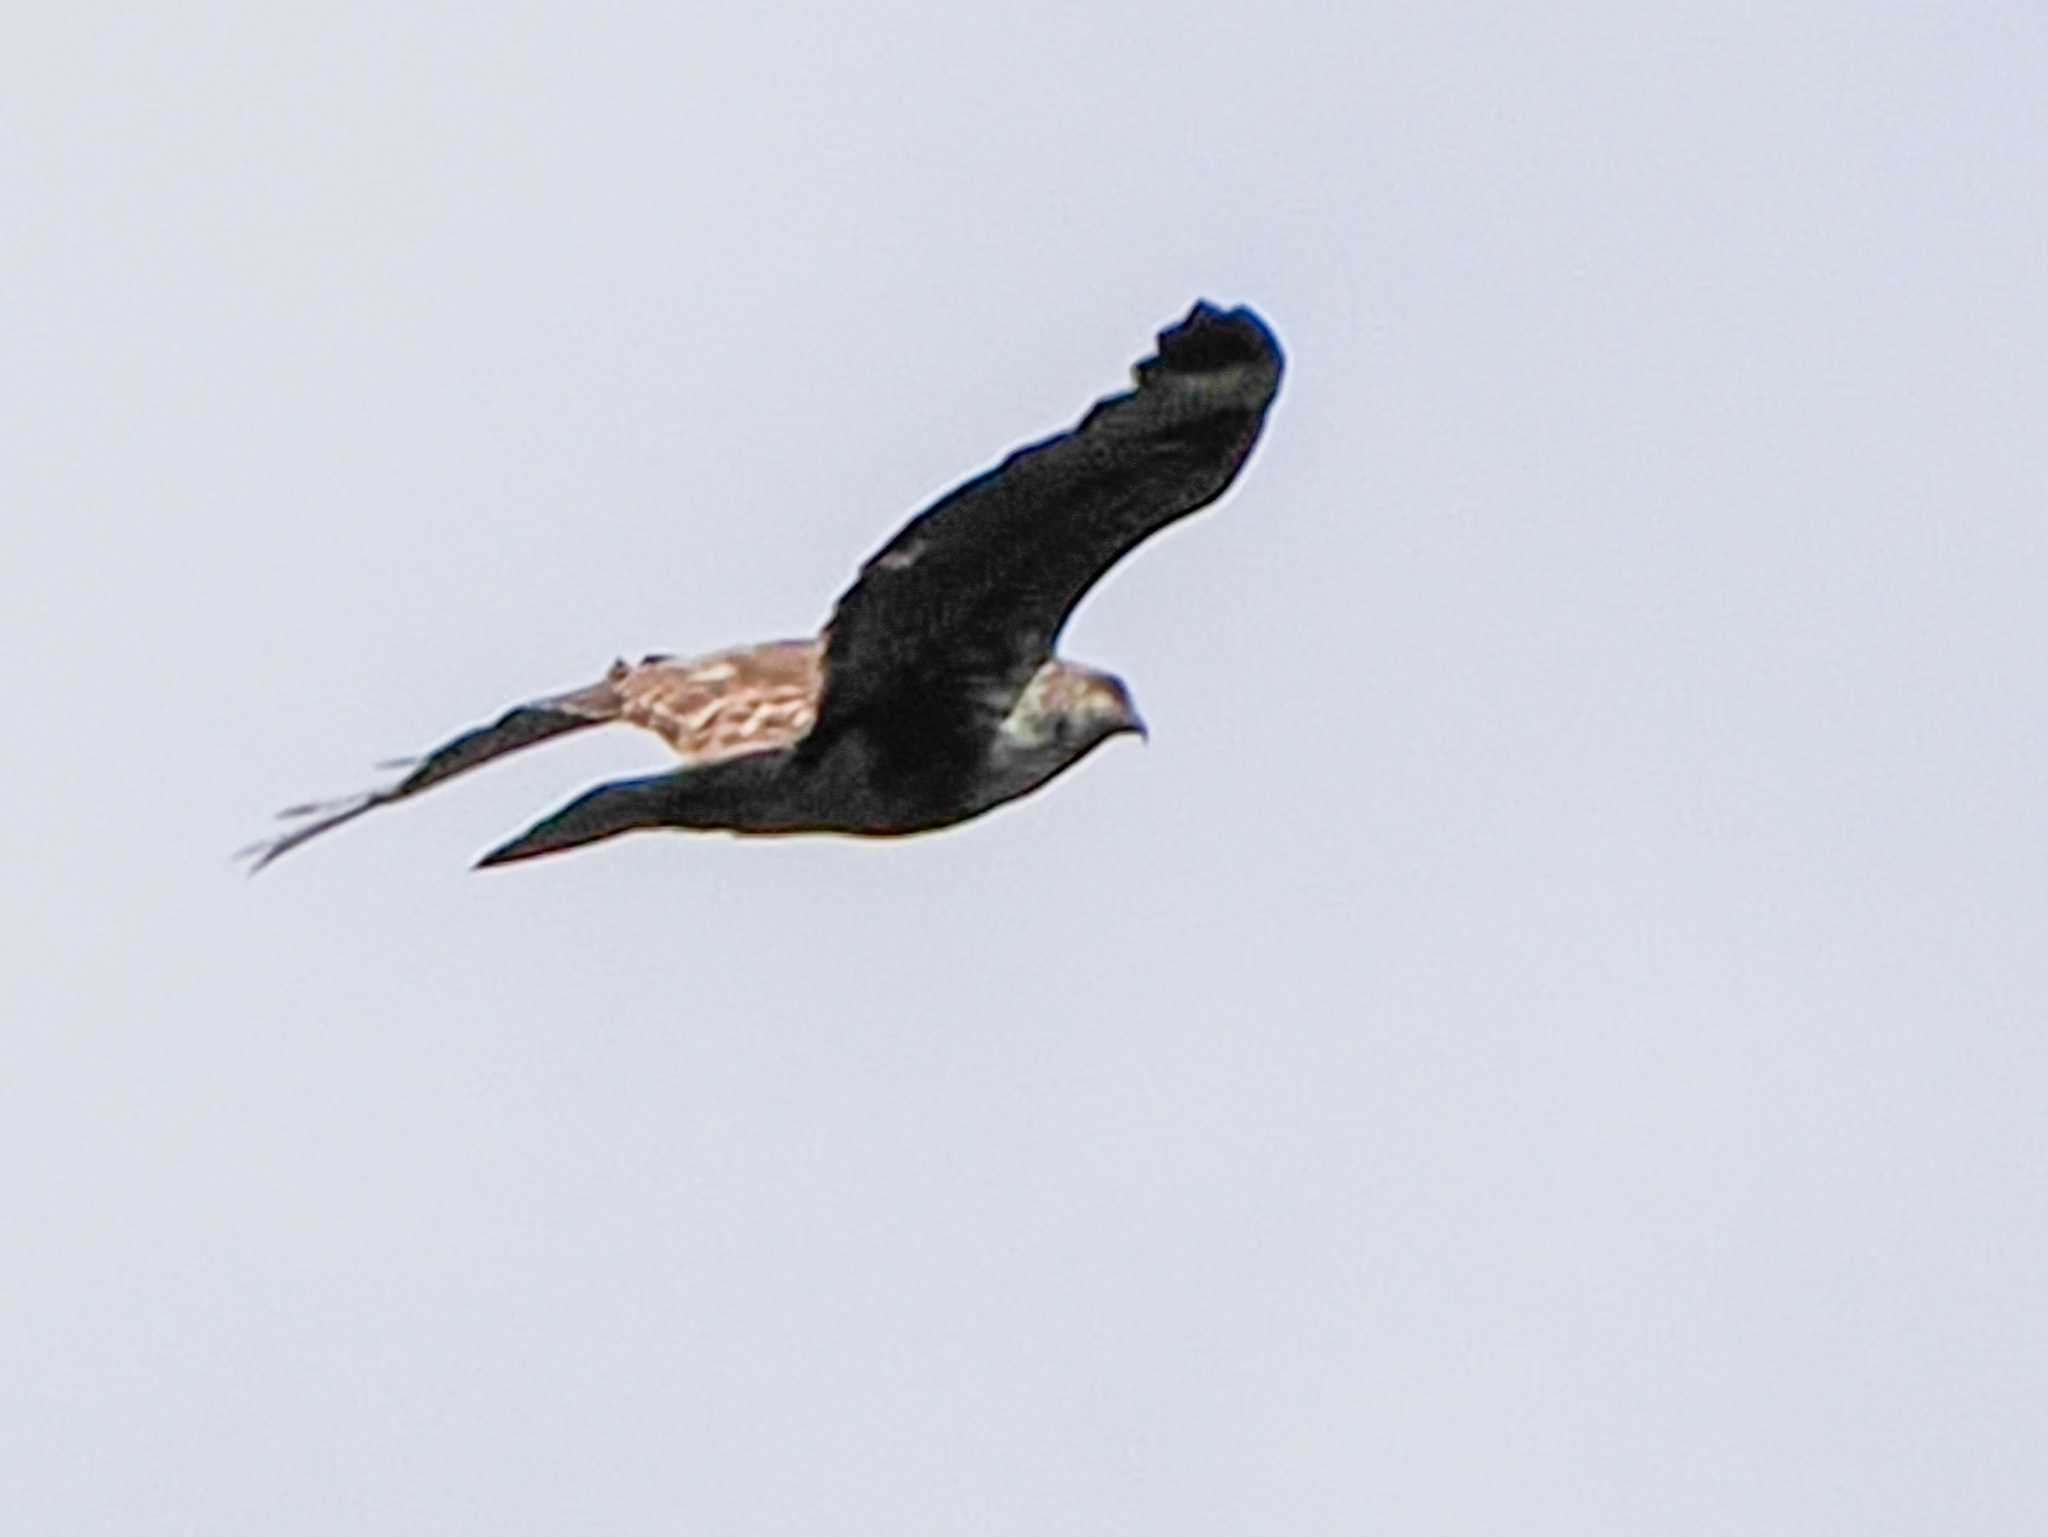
933 693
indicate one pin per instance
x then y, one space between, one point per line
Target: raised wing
948 621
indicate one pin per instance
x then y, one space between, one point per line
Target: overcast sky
1550 1036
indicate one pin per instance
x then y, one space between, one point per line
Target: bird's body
932 695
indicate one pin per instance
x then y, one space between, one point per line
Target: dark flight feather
521 726
948 620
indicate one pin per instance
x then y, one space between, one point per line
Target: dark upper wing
948 621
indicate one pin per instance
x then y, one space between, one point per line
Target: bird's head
1101 707
1064 713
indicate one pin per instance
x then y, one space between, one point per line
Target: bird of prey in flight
933 693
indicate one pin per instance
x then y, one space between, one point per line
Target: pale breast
727 704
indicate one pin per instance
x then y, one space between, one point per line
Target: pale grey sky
1549 1037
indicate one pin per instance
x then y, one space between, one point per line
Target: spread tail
520 727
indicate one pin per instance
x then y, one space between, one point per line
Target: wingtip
1210 338
531 844
504 854
325 815
1212 335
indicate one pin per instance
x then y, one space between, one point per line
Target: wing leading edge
948 620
